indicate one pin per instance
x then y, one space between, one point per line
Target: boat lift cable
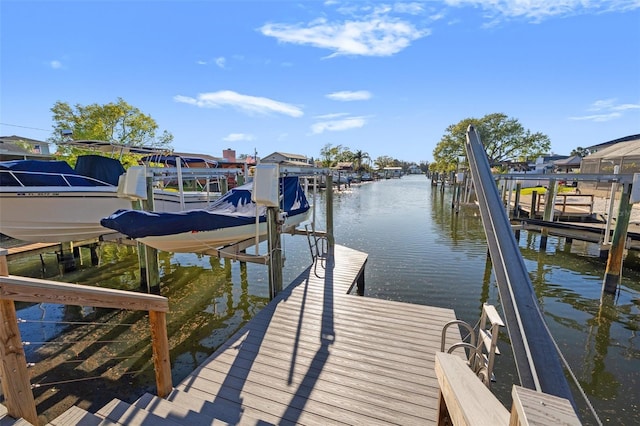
536 357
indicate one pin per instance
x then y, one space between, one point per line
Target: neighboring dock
314 355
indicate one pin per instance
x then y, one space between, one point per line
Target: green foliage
504 139
582 152
114 122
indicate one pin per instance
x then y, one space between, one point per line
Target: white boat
48 201
230 219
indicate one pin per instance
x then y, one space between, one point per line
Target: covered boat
49 201
230 219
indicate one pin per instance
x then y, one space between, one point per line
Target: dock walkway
314 355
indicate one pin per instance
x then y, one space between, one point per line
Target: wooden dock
314 355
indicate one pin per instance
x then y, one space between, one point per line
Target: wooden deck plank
317 355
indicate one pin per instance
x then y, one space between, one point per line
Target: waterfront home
20 148
283 158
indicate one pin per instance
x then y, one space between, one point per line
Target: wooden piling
616 253
329 214
516 203
149 269
275 252
534 201
548 212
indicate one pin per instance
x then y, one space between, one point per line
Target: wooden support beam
160 347
16 385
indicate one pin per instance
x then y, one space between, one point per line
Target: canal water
420 251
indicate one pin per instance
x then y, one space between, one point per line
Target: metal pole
535 353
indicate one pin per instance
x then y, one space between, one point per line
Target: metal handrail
537 361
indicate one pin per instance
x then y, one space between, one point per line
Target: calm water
420 251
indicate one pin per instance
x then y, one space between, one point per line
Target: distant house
414 169
20 148
345 166
568 165
283 158
546 163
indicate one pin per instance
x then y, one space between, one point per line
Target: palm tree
358 157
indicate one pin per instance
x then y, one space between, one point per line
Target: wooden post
614 261
160 347
93 250
13 364
329 206
516 203
149 269
275 252
534 200
224 185
549 198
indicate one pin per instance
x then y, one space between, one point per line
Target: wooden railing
572 204
13 368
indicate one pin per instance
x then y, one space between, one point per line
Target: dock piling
614 261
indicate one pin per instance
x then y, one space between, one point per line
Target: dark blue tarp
34 173
138 223
98 167
50 173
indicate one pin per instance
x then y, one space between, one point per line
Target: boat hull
58 214
206 241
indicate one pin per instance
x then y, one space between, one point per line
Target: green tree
385 161
582 152
504 139
358 157
113 122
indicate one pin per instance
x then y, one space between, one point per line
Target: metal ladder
482 347
318 246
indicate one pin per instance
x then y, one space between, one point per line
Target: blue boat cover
99 167
235 208
40 173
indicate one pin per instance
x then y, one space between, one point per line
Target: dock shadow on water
88 356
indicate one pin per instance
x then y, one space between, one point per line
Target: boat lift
266 193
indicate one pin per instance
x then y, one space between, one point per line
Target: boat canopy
99 167
172 160
235 208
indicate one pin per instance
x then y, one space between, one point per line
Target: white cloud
538 10
338 125
607 110
244 103
55 64
238 137
345 95
377 34
221 62
598 117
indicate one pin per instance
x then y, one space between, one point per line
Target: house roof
613 142
288 155
569 162
630 148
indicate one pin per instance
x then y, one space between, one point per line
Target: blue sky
386 78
